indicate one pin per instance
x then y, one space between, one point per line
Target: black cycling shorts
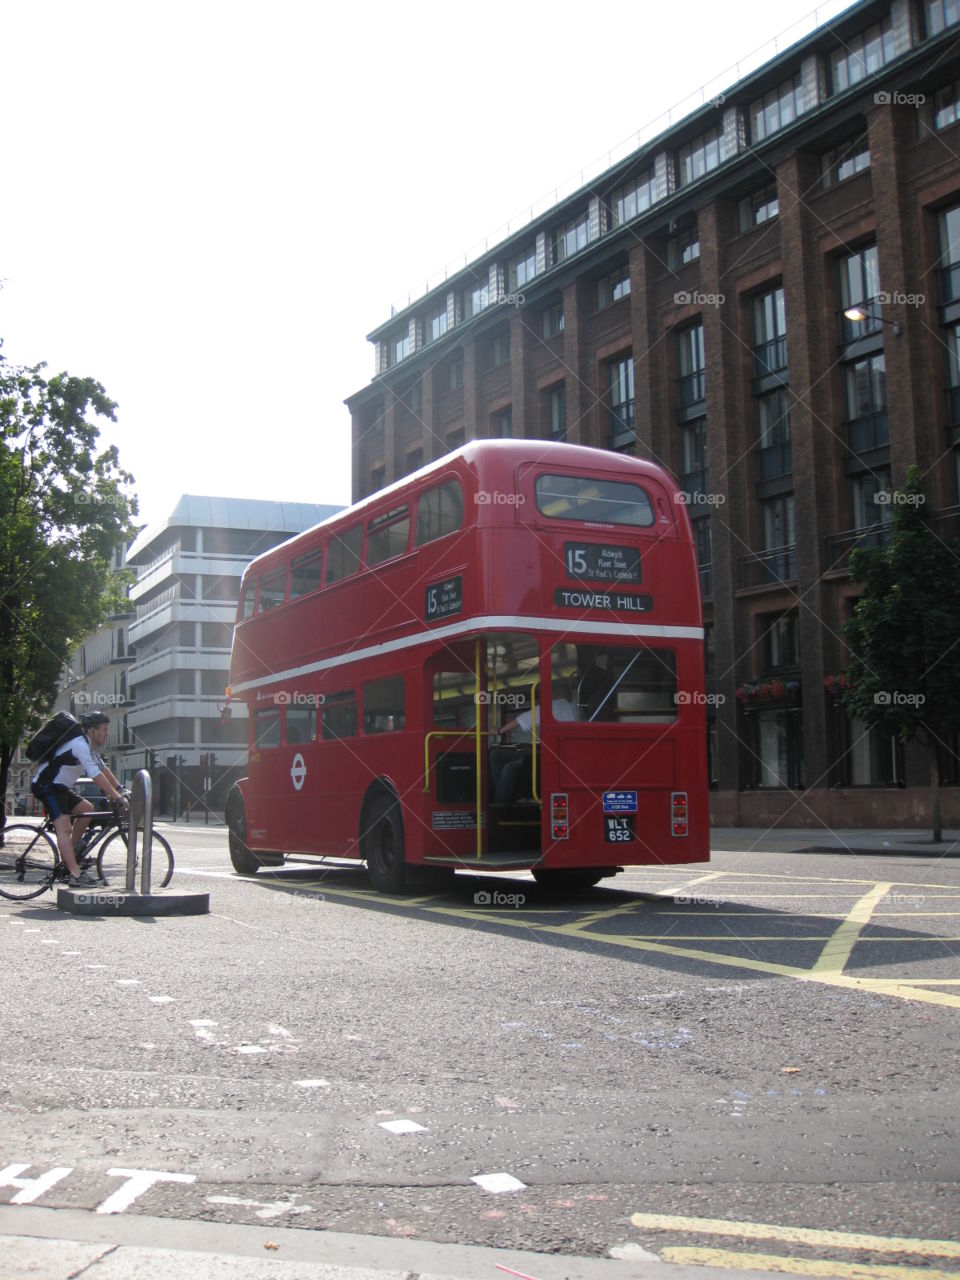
57 800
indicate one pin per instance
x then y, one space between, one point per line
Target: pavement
70 1244
867 841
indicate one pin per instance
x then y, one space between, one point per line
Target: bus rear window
306 574
387 535
343 558
593 501
272 590
439 512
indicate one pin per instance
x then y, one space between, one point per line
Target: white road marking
402 1126
497 1183
138 1181
30 1188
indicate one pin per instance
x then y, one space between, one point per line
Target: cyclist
76 758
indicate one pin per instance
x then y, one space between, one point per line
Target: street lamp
858 314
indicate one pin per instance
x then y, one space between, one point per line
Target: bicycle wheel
28 861
112 861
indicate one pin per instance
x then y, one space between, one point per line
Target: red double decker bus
495 664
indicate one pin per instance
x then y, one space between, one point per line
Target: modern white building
189 567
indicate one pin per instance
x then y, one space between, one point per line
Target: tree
63 512
904 637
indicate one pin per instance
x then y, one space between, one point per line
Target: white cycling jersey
76 759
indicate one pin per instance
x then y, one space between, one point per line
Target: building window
946 106
692 383
865 393
556 405
703 542
779 556
683 246
455 439
633 198
774 451
844 161
500 348
860 287
870 499
414 460
437 324
942 14
401 348
501 424
702 155
695 466
759 207
476 298
455 374
571 238
522 268
621 418
776 745
776 109
410 398
769 333
611 288
861 55
949 262
551 321
781 641
951 338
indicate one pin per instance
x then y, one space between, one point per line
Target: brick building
688 306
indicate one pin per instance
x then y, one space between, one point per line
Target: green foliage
904 638
64 510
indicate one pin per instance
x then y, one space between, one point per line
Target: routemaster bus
494 664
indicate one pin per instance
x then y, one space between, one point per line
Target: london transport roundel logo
298 771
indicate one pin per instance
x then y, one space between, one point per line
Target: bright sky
208 205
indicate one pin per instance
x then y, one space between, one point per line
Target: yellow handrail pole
479 739
533 732
437 733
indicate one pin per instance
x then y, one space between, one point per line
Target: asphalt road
768 1039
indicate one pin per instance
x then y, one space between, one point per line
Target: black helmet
92 718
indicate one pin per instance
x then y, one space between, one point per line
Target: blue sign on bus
619 802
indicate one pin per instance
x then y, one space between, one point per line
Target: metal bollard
141 814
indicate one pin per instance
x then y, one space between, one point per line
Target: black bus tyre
28 859
245 863
561 880
382 845
112 861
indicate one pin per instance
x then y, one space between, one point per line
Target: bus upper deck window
592 501
343 559
387 535
439 512
247 599
272 590
306 574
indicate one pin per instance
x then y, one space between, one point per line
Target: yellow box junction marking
828 969
799 1266
911 1245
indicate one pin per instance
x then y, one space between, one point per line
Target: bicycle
30 861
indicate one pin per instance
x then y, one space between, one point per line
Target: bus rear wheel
382 845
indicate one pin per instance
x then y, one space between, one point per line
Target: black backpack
44 743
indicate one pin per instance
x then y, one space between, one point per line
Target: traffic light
153 759
204 762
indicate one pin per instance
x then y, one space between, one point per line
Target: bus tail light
559 815
678 813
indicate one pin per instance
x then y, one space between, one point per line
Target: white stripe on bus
627 630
